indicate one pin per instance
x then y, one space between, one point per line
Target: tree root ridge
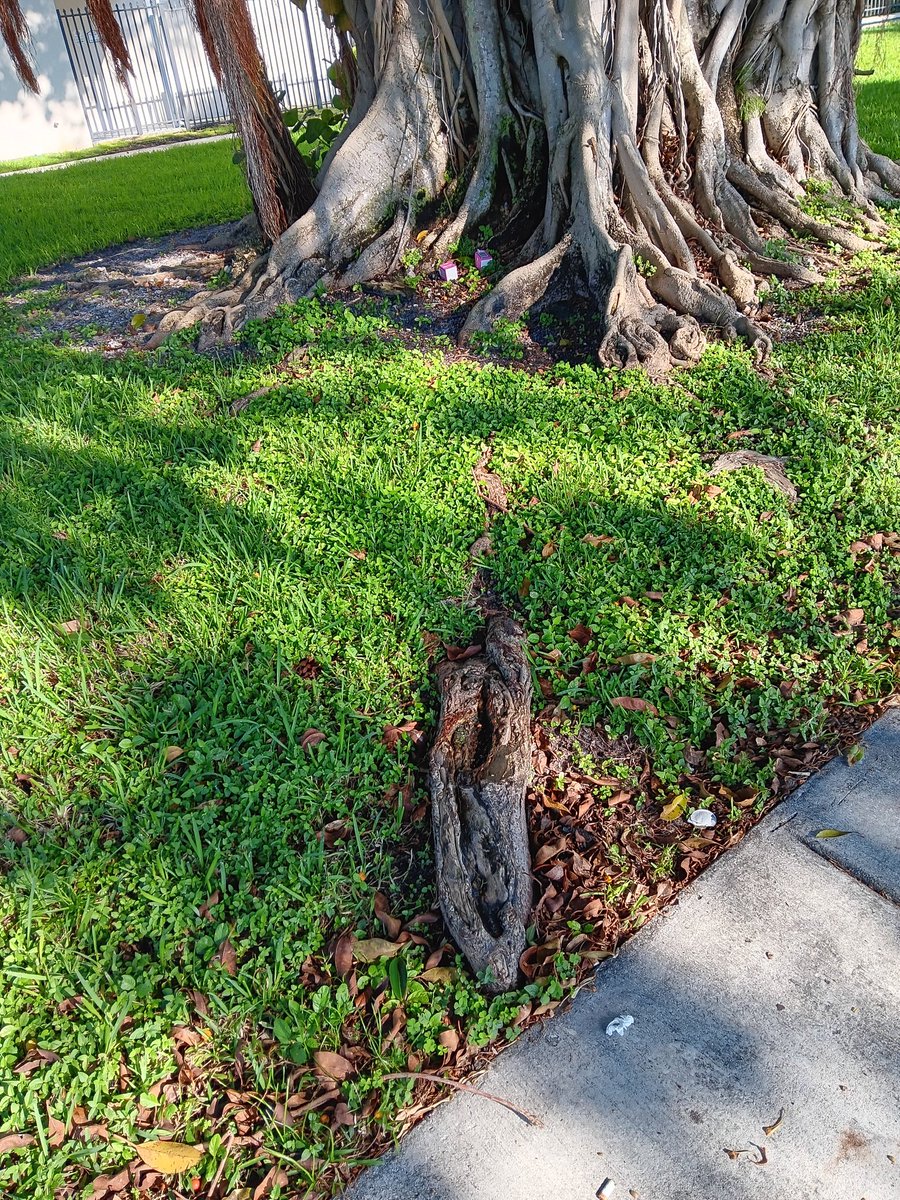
676 137
655 340
479 770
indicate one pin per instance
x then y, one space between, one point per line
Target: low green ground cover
185 596
55 215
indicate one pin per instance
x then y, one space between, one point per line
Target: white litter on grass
619 1025
702 818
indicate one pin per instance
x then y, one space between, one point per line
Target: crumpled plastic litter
702 818
619 1025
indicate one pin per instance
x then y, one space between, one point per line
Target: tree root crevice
479 770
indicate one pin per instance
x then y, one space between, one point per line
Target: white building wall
53 120
171 86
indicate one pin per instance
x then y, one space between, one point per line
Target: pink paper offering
482 259
448 270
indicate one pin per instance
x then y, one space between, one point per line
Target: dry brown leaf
226 957
56 1132
343 955
392 925
169 1158
371 949
335 1066
581 634
282 1115
636 660
440 975
457 653
17 836
449 1039
358 554
635 704
735 1154
393 733
199 1002
597 539
173 752
33 1059
546 853
105 1185
15 1141
548 549
184 1035
99 1130
768 1130
211 902
311 738
76 625
276 1177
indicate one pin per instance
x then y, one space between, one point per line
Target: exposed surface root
771 467
656 340
516 292
669 137
479 770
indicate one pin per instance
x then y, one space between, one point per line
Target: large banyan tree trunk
638 145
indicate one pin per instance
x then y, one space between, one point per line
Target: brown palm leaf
15 35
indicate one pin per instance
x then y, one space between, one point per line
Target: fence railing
172 86
880 10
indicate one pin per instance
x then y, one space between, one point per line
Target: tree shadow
232 596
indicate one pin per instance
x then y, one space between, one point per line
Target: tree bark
645 150
479 770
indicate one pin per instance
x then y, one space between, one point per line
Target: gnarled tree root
665 143
479 769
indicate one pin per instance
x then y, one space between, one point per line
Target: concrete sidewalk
773 984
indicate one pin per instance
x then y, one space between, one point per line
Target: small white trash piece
606 1189
702 818
619 1025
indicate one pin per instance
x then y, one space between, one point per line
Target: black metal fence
173 86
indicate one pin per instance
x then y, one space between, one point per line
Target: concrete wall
54 120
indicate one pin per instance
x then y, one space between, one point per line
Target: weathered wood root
479 770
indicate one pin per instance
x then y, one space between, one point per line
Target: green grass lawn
61 214
115 146
185 595
878 95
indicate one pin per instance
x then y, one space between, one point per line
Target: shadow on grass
238 583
